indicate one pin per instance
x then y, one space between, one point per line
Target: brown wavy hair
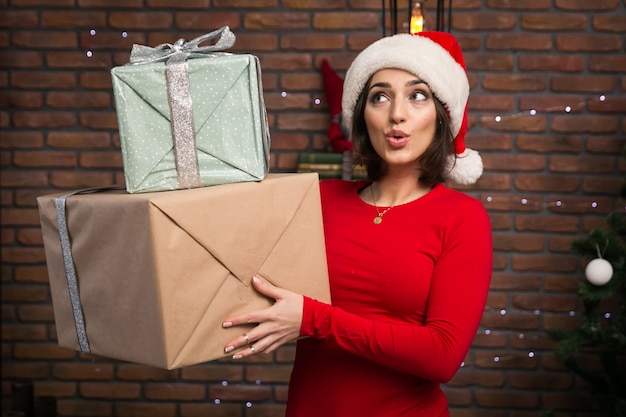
432 164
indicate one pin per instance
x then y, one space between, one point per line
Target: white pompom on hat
436 58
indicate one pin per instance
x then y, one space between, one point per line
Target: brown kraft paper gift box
157 273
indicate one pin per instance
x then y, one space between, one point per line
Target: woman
409 259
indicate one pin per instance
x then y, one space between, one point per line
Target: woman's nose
397 112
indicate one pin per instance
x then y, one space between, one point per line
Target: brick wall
547 114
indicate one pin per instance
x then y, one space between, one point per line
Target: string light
534 112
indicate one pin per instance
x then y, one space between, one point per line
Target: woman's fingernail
227 324
238 356
229 349
256 279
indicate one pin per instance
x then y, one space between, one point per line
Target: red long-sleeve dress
407 298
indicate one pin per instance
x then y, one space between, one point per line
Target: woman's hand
277 324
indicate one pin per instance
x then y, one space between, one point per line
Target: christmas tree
601 330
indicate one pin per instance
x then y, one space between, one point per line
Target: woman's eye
419 96
378 98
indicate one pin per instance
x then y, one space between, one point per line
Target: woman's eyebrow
410 83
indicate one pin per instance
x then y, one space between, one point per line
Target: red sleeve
458 293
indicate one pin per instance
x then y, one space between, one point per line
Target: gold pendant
378 220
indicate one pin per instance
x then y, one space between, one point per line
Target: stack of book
330 165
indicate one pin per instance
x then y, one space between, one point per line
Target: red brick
519 4
560 243
547 183
341 21
533 42
573 205
609 22
549 144
107 40
101 160
21 140
572 64
54 389
265 374
505 162
44 80
546 22
23 332
44 159
116 390
30 237
214 410
532 341
19 19
610 104
75 19
548 263
43 120
552 303
582 84
99 120
485 21
312 42
602 185
84 408
290 101
471 377
503 281
131 372
508 399
235 392
80 179
518 242
41 351
598 5
79 140
206 21
578 164
52 40
183 4
24 179
78 60
98 80
491 62
588 43
24 100
510 321
175 392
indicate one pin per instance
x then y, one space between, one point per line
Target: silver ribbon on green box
179 94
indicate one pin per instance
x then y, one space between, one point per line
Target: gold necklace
379 218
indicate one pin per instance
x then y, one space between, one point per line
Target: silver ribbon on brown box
68 263
179 93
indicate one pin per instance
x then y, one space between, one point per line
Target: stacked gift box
147 272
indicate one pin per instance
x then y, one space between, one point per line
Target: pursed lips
397 138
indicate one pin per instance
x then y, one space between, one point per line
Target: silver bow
141 54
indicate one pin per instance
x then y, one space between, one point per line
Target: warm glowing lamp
416 23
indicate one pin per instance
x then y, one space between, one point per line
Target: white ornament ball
599 271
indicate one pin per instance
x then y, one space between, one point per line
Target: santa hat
436 58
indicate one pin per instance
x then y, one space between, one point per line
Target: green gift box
191 116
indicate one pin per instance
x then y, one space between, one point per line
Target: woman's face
400 116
